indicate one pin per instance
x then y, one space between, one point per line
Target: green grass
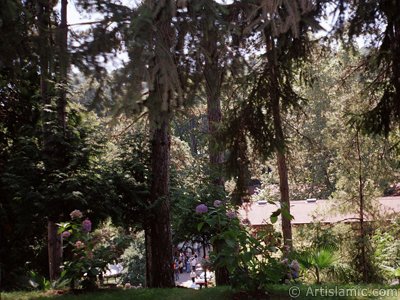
21 295
139 294
276 292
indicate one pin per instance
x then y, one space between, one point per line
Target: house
312 210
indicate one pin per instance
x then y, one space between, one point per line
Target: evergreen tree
285 30
378 25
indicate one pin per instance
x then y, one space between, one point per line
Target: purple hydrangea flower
231 214
66 234
87 225
294 265
217 203
201 209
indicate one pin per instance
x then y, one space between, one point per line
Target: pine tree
284 27
378 24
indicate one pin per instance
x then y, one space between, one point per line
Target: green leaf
276 213
212 222
63 227
247 256
200 226
274 216
286 214
230 243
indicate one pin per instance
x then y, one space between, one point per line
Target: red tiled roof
305 212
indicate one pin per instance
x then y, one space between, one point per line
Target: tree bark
193 138
285 202
44 52
147 241
160 226
159 238
54 250
53 154
221 273
279 137
63 66
213 75
395 45
363 235
53 240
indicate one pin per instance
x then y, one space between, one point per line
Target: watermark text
338 291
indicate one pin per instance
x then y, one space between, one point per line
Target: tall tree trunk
279 136
53 240
363 235
160 226
221 273
158 235
193 138
147 242
54 250
396 56
63 66
53 154
213 75
392 10
44 56
285 203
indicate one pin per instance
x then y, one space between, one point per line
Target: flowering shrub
217 203
250 257
76 214
88 253
87 226
231 214
292 270
66 234
201 209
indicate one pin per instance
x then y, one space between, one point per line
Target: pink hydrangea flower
66 234
87 225
217 203
76 214
127 285
201 209
79 245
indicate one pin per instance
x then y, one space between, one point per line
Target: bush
386 244
316 260
134 262
89 252
250 256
